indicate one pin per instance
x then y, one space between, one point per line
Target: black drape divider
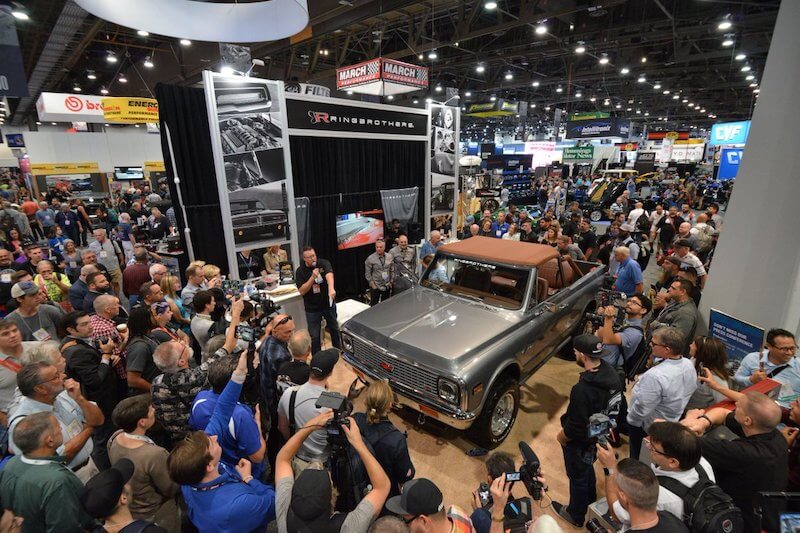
183 111
342 176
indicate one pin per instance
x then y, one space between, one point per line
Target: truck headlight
347 342
448 390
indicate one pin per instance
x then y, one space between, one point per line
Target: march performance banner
442 193
250 143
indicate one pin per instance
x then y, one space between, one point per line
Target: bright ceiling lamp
541 29
480 69
185 42
727 42
148 63
20 14
143 33
111 58
580 49
740 57
603 60
490 5
206 21
724 25
624 70
535 84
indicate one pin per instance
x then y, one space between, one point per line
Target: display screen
128 173
359 229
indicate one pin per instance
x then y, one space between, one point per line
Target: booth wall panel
108 149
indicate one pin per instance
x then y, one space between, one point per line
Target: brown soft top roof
502 250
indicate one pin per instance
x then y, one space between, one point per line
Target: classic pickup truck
486 314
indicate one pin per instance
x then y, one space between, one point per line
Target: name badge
103 254
384 276
315 288
67 222
499 233
73 264
5 278
41 335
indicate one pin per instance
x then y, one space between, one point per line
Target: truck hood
421 321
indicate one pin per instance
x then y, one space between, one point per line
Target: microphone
528 454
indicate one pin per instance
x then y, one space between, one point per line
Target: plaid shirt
104 327
270 356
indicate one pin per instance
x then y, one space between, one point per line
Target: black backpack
643 224
6 222
643 258
706 507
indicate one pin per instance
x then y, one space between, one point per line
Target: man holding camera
484 504
298 405
620 346
596 386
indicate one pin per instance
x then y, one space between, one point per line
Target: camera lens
594 526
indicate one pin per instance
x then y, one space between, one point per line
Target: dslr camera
600 426
342 408
604 298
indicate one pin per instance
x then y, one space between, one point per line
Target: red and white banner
404 73
65 107
388 71
357 74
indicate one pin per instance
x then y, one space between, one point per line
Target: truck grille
395 370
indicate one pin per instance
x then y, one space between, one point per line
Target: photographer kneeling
306 503
620 346
589 396
508 510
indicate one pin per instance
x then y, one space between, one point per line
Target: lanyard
29 328
11 365
141 438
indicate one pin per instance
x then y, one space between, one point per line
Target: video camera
604 298
342 408
600 426
530 470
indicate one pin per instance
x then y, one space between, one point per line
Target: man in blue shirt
218 498
776 362
243 437
629 274
500 226
619 346
430 246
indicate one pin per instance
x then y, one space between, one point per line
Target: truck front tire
498 415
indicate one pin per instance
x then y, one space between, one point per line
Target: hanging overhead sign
601 127
63 107
320 116
627 147
498 108
382 76
48 169
578 153
541 152
668 135
588 116
154 166
306 88
730 133
13 81
729 161
130 110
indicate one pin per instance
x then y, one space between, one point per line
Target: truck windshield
496 285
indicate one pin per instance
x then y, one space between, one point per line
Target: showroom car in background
457 350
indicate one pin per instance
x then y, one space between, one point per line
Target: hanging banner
64 107
13 81
250 143
321 116
154 166
130 110
730 133
498 108
542 152
382 76
729 161
602 127
443 165
578 153
668 135
588 116
47 169
627 147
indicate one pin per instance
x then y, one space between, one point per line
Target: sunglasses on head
283 320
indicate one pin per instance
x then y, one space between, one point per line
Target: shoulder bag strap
11 365
292 424
776 371
67 345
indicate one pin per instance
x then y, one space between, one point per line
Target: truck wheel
596 215
499 413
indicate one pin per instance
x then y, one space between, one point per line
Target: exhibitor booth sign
730 133
740 338
603 127
578 153
63 107
323 116
382 76
130 110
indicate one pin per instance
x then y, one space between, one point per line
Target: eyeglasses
787 349
653 449
57 376
284 320
657 344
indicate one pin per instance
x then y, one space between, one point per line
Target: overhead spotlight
226 70
38 123
433 55
77 89
642 79
103 91
421 57
644 59
349 93
638 111
703 110
547 108
629 109
541 29
756 90
111 58
91 75
647 114
657 86
490 5
580 49
592 99
54 123
749 77
578 94
685 100
691 104
135 125
666 91
724 25
559 89
480 69
509 76
618 106
745 68
535 84
753 84
185 42
148 63
533 106
467 94
606 102
727 42
439 88
624 70
20 14
143 33
415 101
740 57
603 60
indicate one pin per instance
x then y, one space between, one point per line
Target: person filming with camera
306 503
620 345
591 395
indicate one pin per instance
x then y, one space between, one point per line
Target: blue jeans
578 461
314 320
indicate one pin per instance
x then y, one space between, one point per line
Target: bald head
88 269
764 413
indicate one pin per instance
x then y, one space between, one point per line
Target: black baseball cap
419 497
322 362
310 507
101 493
588 344
683 242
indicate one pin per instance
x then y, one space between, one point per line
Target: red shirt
133 277
29 208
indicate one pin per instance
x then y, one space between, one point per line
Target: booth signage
130 110
729 161
48 169
487 150
63 107
541 152
739 337
353 75
442 197
627 147
15 140
154 166
730 133
324 116
588 116
668 135
498 108
306 88
604 127
13 81
578 153
382 76
404 73
646 157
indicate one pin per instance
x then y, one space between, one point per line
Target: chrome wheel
595 216
503 414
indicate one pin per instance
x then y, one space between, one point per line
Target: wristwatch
710 423
607 471
497 518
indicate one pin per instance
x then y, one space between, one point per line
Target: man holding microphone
315 282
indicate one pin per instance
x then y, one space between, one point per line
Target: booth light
480 69
727 42
741 57
143 33
541 29
535 84
148 63
91 75
580 49
433 55
111 58
603 60
123 79
745 68
490 5
749 77
624 70
103 91
657 86
226 70
509 76
185 42
642 79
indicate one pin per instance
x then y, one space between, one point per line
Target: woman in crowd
389 443
212 273
710 354
486 228
551 236
250 264
142 342
164 332
14 243
54 284
274 256
71 260
512 234
181 317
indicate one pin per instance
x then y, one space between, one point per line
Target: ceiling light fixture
628 109
727 42
103 91
415 101
148 63
438 88
753 84
624 70
480 69
77 89
724 25
749 77
111 58
592 99
603 60
618 106
578 94
185 42
746 68
641 79
493 98
685 100
541 29
143 33
666 91
490 5
644 59
468 94
509 76
606 102
91 75
535 84
54 123
657 86
580 49
559 89
533 106
547 108
123 79
20 14
740 57
433 55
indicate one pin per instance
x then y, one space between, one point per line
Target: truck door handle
561 307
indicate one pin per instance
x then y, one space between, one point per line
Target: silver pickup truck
486 314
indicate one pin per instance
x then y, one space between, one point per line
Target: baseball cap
419 497
322 362
627 227
588 344
674 260
101 493
24 288
310 507
683 242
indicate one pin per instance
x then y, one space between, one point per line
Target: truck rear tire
498 415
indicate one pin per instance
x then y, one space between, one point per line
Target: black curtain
342 176
183 111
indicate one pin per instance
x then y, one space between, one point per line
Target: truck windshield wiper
474 298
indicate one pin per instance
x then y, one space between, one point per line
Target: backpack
634 365
643 224
6 222
704 239
706 507
644 257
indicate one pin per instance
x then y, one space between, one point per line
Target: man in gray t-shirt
36 321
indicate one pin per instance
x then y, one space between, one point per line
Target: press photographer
595 388
622 345
514 513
